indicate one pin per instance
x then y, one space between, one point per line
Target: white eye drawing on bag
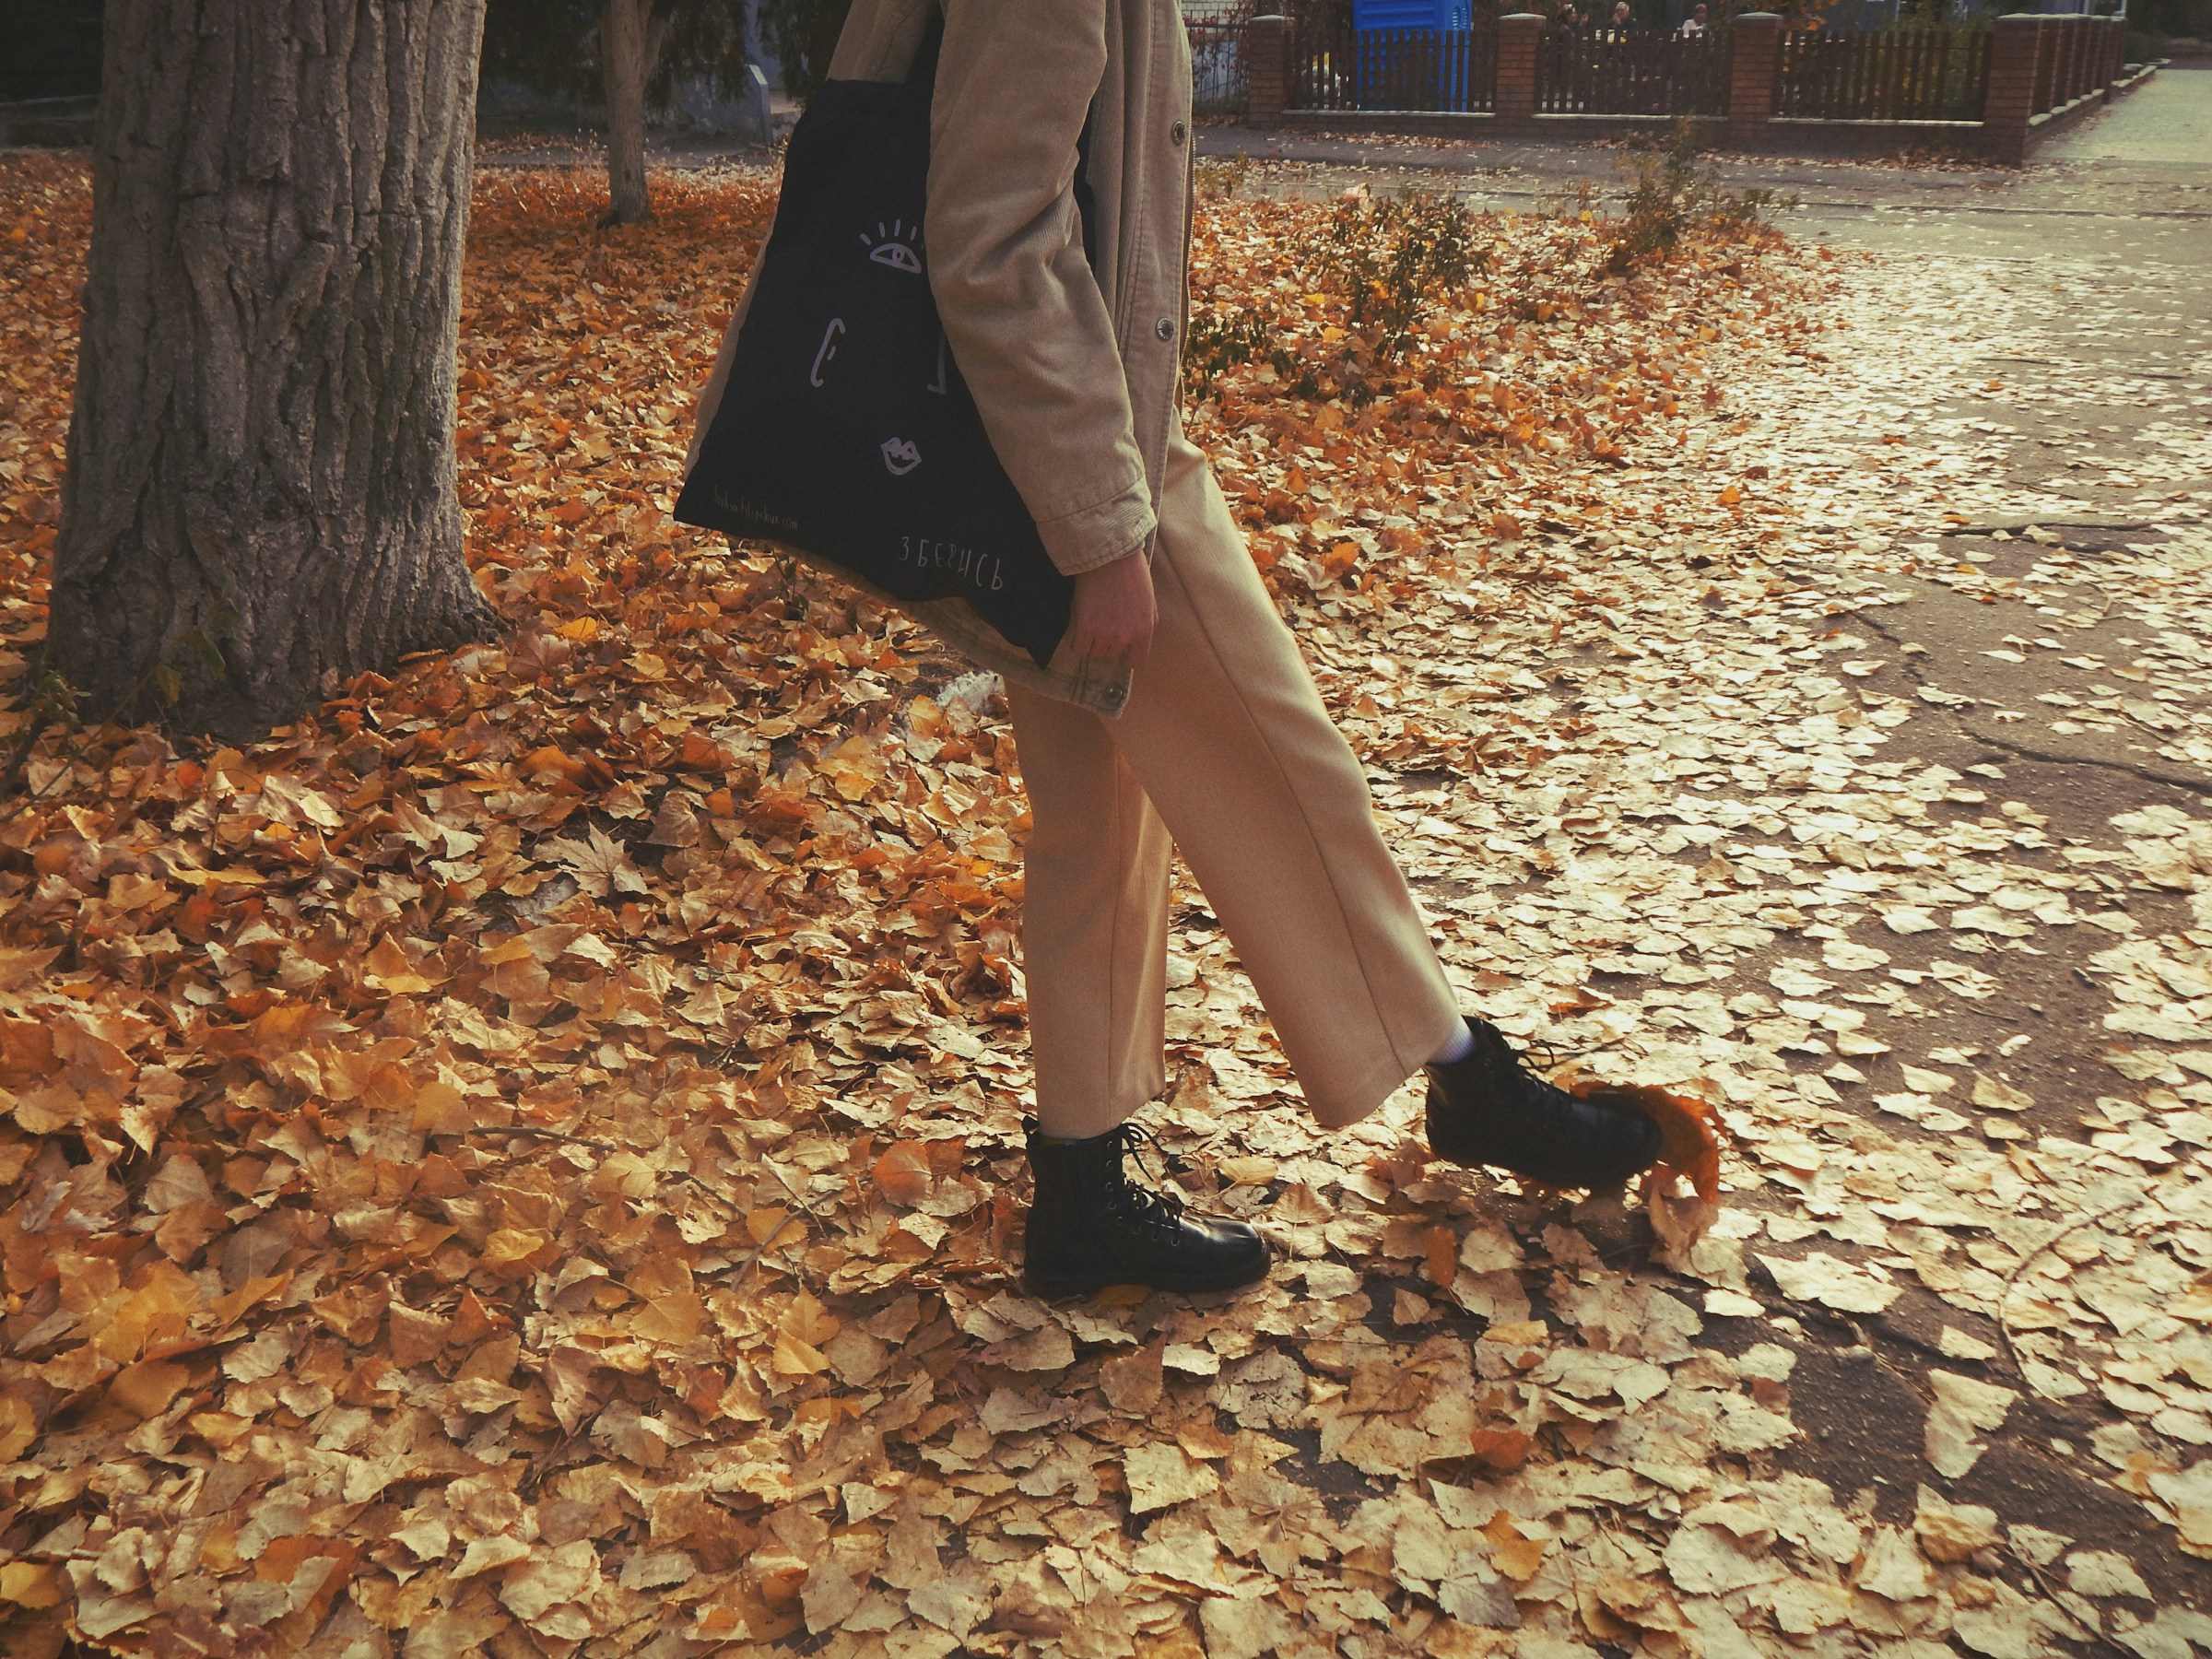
942 382
827 350
901 455
898 248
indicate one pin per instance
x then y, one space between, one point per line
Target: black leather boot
1091 1226
1488 1108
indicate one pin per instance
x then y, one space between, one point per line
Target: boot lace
1146 1206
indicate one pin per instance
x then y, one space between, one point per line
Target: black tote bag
845 431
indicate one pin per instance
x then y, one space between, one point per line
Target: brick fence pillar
1266 69
2015 62
1520 41
1754 65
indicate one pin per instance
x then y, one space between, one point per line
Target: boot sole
1556 1178
1051 1287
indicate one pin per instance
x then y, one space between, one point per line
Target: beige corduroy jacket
1073 370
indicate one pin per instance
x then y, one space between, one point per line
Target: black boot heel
1091 1226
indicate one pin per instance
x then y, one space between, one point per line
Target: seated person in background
1696 23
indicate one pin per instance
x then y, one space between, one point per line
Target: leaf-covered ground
527 1161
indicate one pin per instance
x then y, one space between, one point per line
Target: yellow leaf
677 1317
796 1359
440 1109
808 1320
764 1224
30 1584
18 1427
389 970
1248 1171
45 1111
514 1251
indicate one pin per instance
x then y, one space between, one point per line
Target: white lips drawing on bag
901 455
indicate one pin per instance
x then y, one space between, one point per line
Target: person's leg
1227 736
1225 743
1094 957
1094 915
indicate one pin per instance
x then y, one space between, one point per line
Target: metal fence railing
1532 75
1428 68
1606 72
1217 60
1884 75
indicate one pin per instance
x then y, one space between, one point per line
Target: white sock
1458 1049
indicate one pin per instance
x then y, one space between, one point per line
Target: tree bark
260 497
630 35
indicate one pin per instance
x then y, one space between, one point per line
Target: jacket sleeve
1022 307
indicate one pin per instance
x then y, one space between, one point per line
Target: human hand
1114 611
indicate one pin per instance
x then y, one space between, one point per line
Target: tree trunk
260 497
631 34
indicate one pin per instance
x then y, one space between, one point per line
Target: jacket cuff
1094 536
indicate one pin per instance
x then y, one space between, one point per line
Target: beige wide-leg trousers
1225 751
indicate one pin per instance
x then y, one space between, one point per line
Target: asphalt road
2139 176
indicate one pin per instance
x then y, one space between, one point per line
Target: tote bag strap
924 71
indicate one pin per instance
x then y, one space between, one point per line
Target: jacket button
1164 328
1177 133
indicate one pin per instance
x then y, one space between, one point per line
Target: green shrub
1220 181
1396 259
1218 340
1673 196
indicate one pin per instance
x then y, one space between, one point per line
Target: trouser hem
1343 1110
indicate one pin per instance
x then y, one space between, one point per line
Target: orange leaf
1691 1152
1440 1246
146 1388
1517 1557
1500 1449
903 1174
